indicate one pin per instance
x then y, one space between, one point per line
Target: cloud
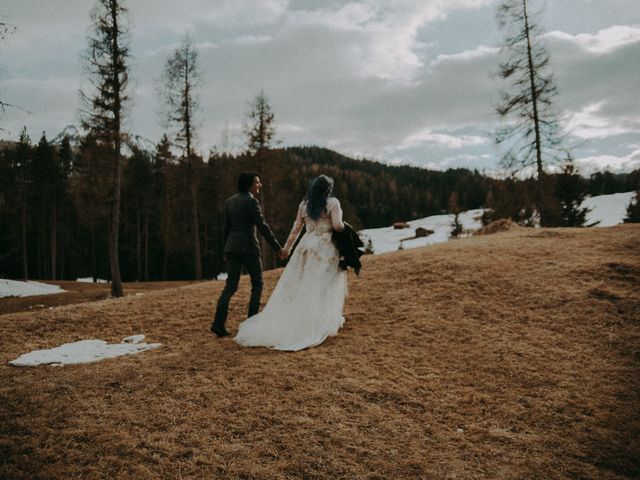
406 81
597 90
590 122
479 52
428 136
624 163
603 41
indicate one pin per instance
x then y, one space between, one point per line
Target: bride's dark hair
320 191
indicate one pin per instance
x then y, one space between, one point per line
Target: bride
306 305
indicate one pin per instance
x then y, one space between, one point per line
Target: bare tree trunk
63 243
40 255
25 264
536 119
138 244
196 231
166 242
94 272
193 180
166 224
146 246
54 246
116 281
534 93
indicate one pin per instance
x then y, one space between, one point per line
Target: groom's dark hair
245 180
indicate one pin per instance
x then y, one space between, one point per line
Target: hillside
507 356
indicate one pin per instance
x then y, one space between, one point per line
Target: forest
55 201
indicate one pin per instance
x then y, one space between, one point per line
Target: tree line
56 195
56 198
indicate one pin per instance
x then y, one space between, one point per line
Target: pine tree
180 81
532 135
570 191
260 130
456 226
259 127
106 58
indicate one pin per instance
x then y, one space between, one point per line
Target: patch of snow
388 239
15 288
90 280
609 210
84 351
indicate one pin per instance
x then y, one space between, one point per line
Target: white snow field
608 210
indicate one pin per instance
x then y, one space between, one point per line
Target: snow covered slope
608 210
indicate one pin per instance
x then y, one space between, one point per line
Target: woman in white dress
307 304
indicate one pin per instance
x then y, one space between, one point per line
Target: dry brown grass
500 225
77 292
527 340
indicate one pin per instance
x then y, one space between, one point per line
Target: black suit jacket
242 218
350 248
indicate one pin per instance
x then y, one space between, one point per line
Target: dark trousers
235 262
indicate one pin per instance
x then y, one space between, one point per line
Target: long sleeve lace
335 211
295 230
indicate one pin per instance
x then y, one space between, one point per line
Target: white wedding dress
307 304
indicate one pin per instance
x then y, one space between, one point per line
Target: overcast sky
399 81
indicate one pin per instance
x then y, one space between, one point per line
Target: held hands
282 254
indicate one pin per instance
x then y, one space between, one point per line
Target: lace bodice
328 221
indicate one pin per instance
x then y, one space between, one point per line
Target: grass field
77 292
506 356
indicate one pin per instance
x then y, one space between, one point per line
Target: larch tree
106 59
179 84
260 130
259 127
530 136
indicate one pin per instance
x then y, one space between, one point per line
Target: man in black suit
243 217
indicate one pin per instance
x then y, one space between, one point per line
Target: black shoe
219 331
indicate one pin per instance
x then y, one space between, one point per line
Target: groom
242 216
